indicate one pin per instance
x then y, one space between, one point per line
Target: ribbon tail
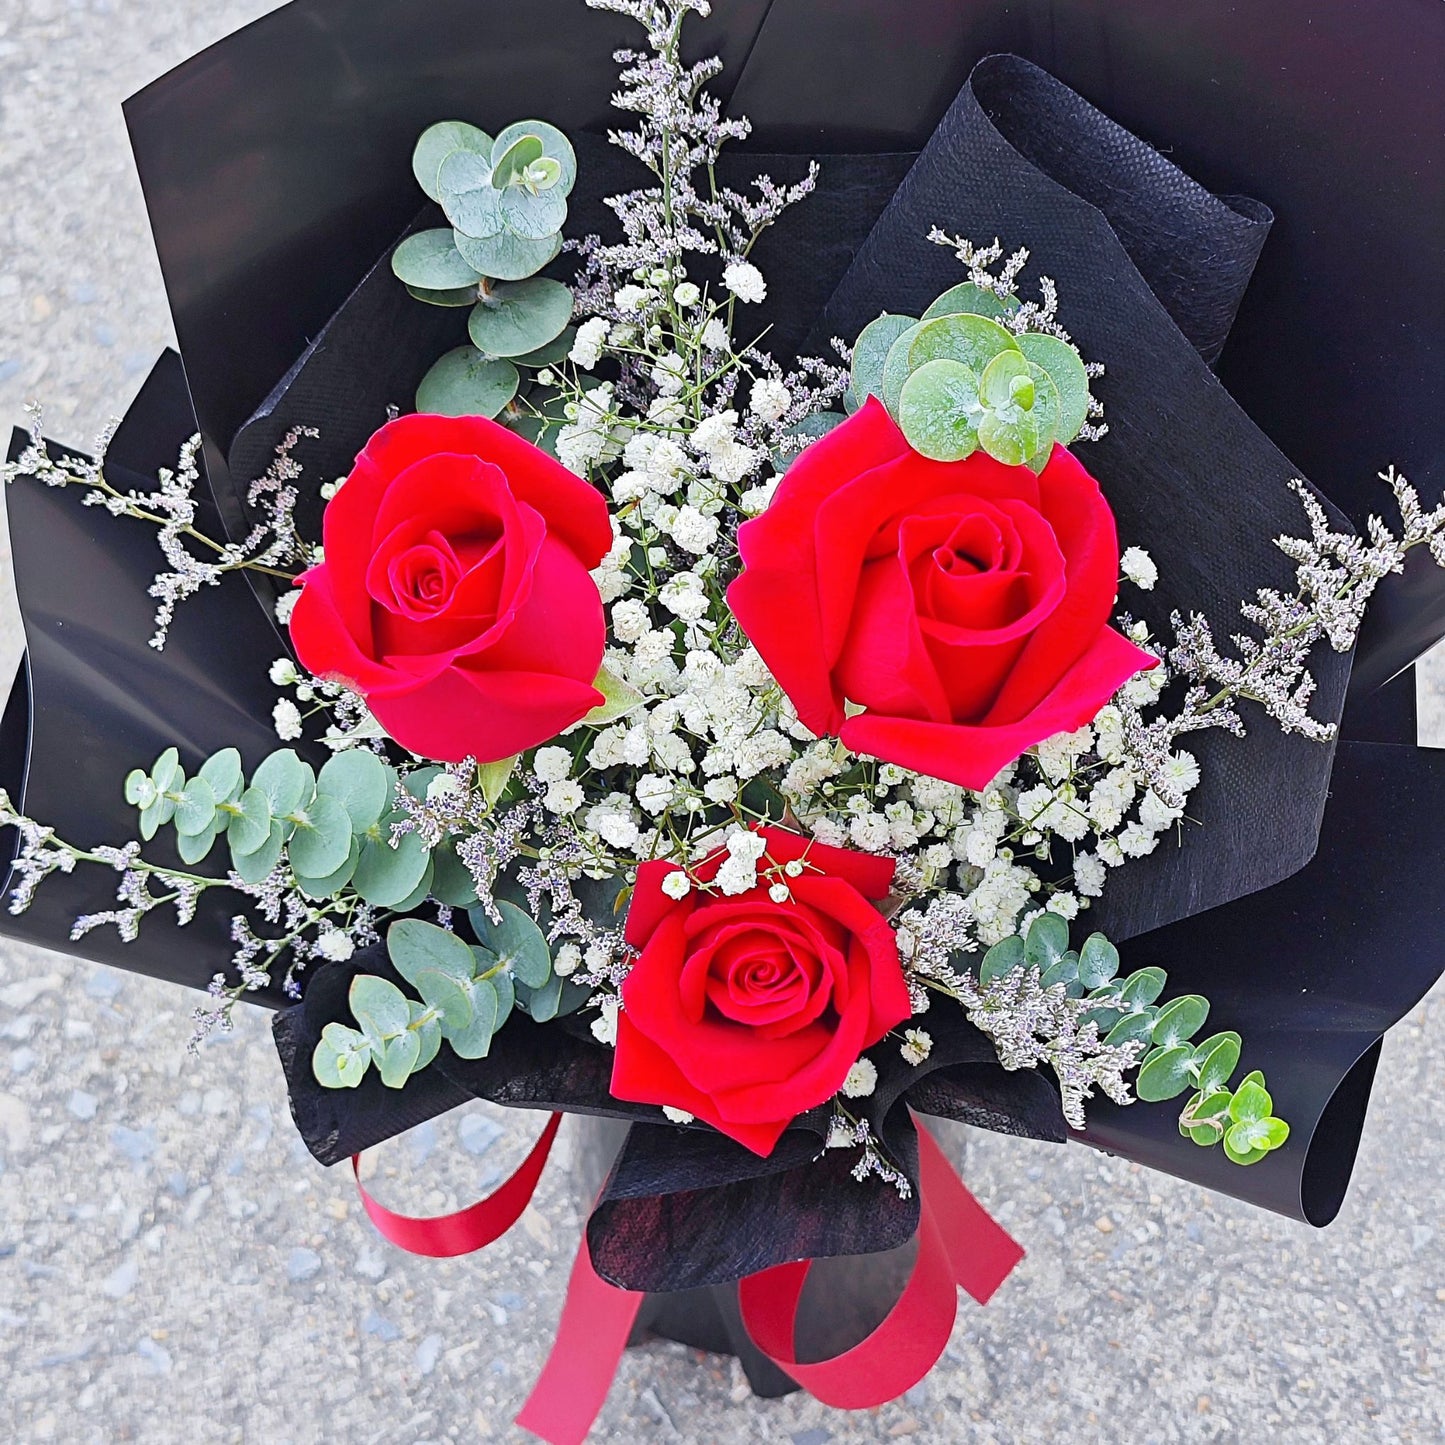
445 1235
597 1319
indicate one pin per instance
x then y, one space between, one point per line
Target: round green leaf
1046 412
1241 1156
460 296
287 782
554 144
1180 1019
1001 959
450 996
1143 986
140 790
1251 1103
321 844
196 808
870 353
972 299
554 353
973 340
385 875
222 771
166 772
1131 1029
533 216
428 1030
471 203
1047 941
897 369
474 1041
358 780
1098 961
541 1003
420 893
465 383
257 866
1217 1057
1165 1074
250 827
431 260
399 1058
1066 370
413 944
517 943
194 847
510 159
506 256
341 1058
520 316
506 989
1010 436
332 883
379 1006
451 883
1066 972
1002 377
939 412
437 143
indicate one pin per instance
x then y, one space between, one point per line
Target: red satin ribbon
469 1229
960 1246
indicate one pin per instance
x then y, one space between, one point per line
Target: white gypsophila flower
1155 814
746 282
829 831
684 596
720 790
604 1026
770 399
677 884
1138 566
870 831
286 717
630 621
732 463
862 1079
587 345
1182 772
613 822
286 605
335 945
611 582
1064 904
744 843
736 876
1144 687
917 1045
669 375
716 432
1058 754
654 793
283 672
937 856
567 960
551 765
688 294
563 798
1137 841
677 1116
714 336
780 893
1109 734
632 298
1110 852
694 532
1089 874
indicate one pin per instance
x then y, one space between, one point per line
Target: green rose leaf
939 411
466 383
437 143
1001 959
973 340
399 1058
1098 961
495 777
342 1057
517 943
288 782
1047 941
196 808
223 772
619 698
973 300
507 256
520 316
430 259
385 876
321 844
379 1006
473 1041
1066 370
1180 1019
555 146
1165 1074
468 198
413 945
870 353
359 781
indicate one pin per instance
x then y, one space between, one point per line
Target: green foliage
334 828
958 381
618 699
506 202
1126 1011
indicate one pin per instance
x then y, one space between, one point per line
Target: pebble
815 1436
302 1264
102 982
22 1061
478 1132
121 1280
155 1355
371 1264
24 993
427 1354
377 1324
136 1144
82 1104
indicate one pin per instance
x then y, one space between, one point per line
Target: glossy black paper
275 167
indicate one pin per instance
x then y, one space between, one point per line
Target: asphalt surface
175 1267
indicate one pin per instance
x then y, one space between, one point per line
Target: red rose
455 594
963 605
747 1012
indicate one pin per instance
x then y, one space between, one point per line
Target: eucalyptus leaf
1066 369
195 808
554 353
517 943
428 1030
421 892
554 144
1143 986
1001 959
1047 940
506 989
413 944
1165 1074
257 866
451 882
897 368
1098 961
870 353
468 198
939 411
385 875
287 781
333 882
450 996
250 825
1251 1103
321 844
1180 1019
166 771
473 1041
437 143
535 216
1009 435
342 1057
194 847
505 256
1046 413
520 316
223 772
1238 1155
541 1004
359 781
1006 381
1131 1029
619 699
511 158
1217 1058
968 298
140 788
456 296
379 1006
399 1058
430 259
466 383
973 340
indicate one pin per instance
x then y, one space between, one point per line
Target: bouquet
763 681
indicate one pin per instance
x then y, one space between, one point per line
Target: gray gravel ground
175 1267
